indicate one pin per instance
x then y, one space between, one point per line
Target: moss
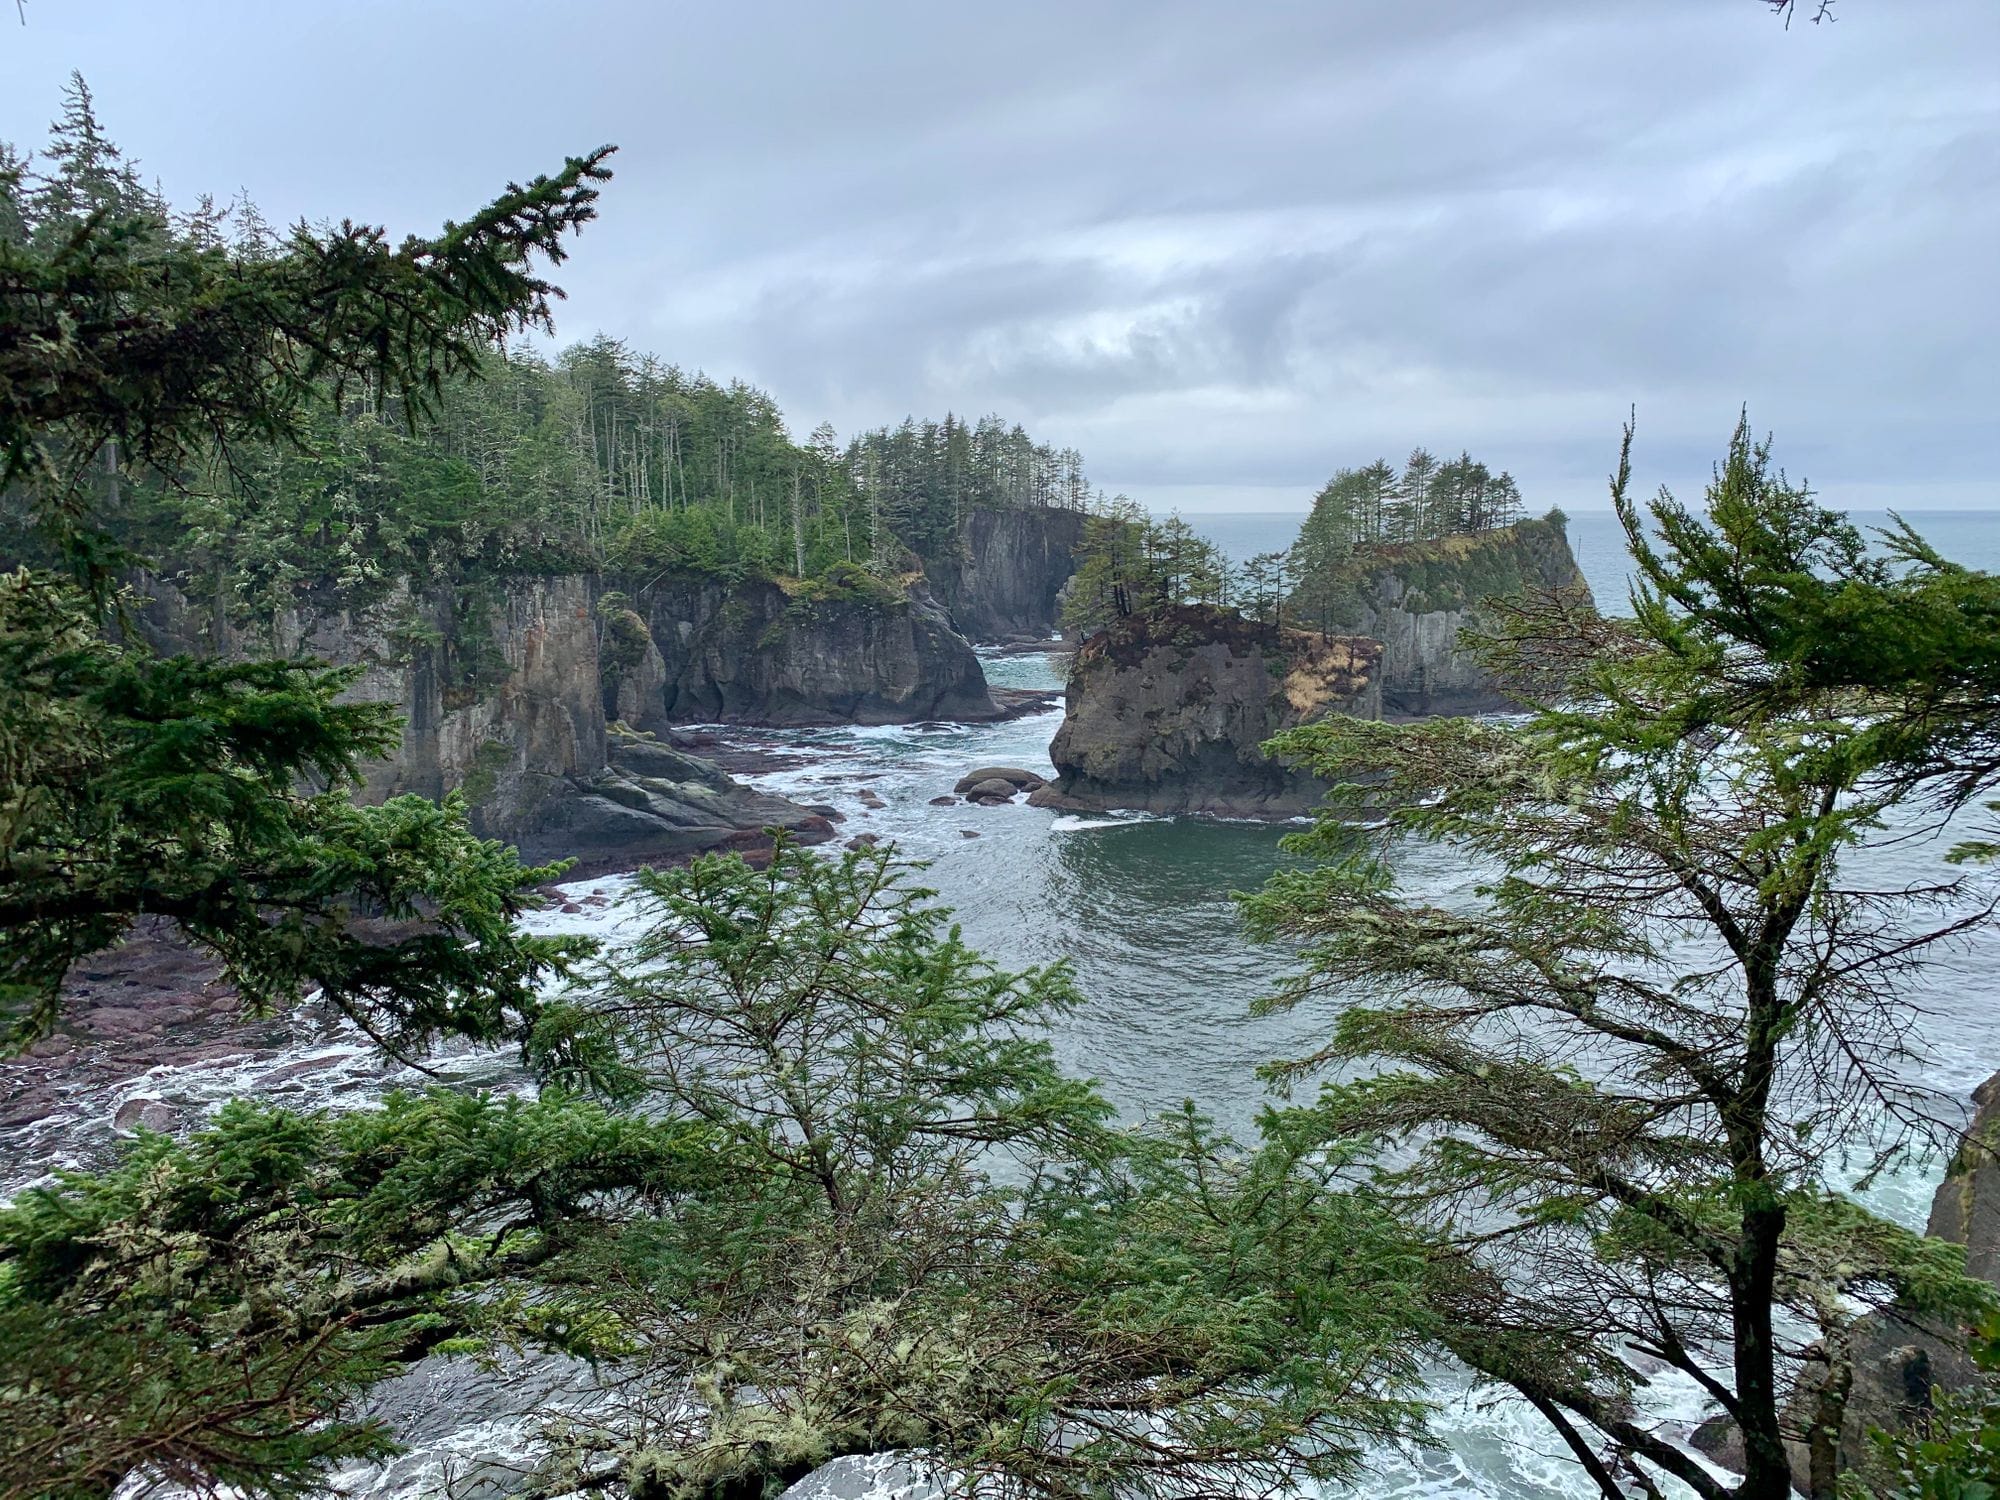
471 662
850 583
482 777
626 638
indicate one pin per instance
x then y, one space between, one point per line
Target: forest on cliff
797 1175
592 458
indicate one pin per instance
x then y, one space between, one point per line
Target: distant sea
1971 537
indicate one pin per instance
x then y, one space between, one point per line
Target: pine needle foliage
835 1197
1621 1083
936 1245
209 1313
137 348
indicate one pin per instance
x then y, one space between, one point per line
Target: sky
1222 250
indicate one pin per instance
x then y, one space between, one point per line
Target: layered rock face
507 708
1001 579
1167 710
751 653
1416 598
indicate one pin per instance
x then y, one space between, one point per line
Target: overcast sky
1220 249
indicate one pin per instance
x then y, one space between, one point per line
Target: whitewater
1141 907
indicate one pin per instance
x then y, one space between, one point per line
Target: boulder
993 789
1719 1442
146 1114
1016 779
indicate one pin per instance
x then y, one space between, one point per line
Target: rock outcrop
1167 711
1894 1359
504 704
1415 598
754 653
1966 1208
1000 576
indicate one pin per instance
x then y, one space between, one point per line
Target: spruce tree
1623 1078
214 795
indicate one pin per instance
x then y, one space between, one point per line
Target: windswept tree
1621 1087
214 795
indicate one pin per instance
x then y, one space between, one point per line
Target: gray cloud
1220 252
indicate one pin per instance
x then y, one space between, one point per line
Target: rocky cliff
502 702
1167 710
1000 576
1893 1360
1416 598
698 651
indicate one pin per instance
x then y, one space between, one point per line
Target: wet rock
944 802
298 1069
117 1020
1017 780
993 789
1966 1209
1719 1442
871 801
25 1106
1896 1357
968 833
864 841
147 1114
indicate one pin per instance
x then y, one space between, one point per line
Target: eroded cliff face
1000 581
753 653
1416 598
1167 711
504 704
1894 1360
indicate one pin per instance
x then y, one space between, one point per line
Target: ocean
1141 906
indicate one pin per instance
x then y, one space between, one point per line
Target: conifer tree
1622 1079
214 795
